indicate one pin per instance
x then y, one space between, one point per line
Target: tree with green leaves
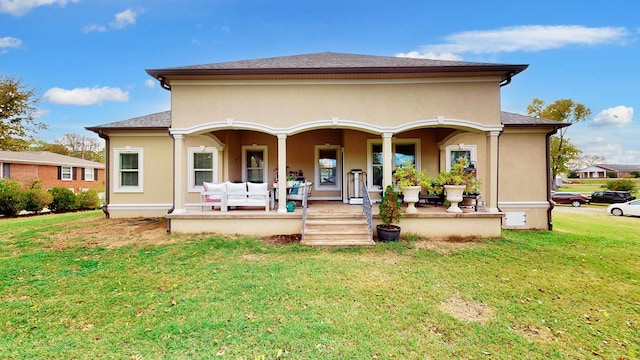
566 111
17 115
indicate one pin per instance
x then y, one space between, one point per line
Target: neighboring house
325 114
54 170
601 170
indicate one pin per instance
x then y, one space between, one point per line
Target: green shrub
88 200
612 174
621 185
63 200
635 174
11 197
36 199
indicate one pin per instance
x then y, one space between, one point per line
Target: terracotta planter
411 197
386 235
454 195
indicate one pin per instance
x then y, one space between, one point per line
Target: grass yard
83 287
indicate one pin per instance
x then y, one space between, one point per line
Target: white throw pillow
257 188
236 191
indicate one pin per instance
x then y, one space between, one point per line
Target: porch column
282 173
178 174
387 160
491 182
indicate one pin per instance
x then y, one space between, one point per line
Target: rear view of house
334 120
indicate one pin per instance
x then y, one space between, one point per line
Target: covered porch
432 222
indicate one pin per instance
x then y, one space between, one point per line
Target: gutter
507 81
105 206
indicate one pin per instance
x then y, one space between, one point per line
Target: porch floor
256 221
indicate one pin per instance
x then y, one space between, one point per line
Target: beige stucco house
320 116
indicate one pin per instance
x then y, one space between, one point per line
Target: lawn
81 286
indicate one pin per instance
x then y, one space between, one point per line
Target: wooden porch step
337 230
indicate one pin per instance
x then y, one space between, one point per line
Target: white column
491 182
282 173
387 160
178 175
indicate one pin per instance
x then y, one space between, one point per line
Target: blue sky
86 58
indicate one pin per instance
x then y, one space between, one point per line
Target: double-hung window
88 174
128 170
454 152
254 163
66 173
203 162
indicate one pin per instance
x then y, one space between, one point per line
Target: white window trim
116 170
88 174
214 156
265 151
394 142
69 173
458 147
338 184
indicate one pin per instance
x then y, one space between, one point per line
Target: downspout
549 179
173 205
163 83
105 205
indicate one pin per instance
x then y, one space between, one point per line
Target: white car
629 208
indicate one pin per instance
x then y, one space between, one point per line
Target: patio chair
299 190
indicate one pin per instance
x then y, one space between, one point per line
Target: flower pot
454 196
386 234
411 197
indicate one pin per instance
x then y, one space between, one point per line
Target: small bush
36 199
63 200
88 200
11 198
621 185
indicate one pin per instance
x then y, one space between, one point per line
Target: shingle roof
336 63
511 119
161 120
46 158
619 167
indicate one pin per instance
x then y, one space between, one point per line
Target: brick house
54 170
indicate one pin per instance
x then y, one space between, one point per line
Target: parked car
611 197
629 208
575 199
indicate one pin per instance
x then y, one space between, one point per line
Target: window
88 174
454 152
405 151
203 162
254 163
128 170
66 173
328 167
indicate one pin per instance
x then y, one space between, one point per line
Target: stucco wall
157 165
283 105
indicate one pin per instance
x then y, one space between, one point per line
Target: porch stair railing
367 208
337 228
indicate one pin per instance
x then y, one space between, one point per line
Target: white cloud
525 38
430 55
95 27
120 21
85 96
21 7
150 83
598 139
123 19
9 42
617 117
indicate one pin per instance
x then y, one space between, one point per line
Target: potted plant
456 182
389 214
411 181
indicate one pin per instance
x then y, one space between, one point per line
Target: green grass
566 294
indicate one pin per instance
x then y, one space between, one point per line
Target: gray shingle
46 158
511 119
161 120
